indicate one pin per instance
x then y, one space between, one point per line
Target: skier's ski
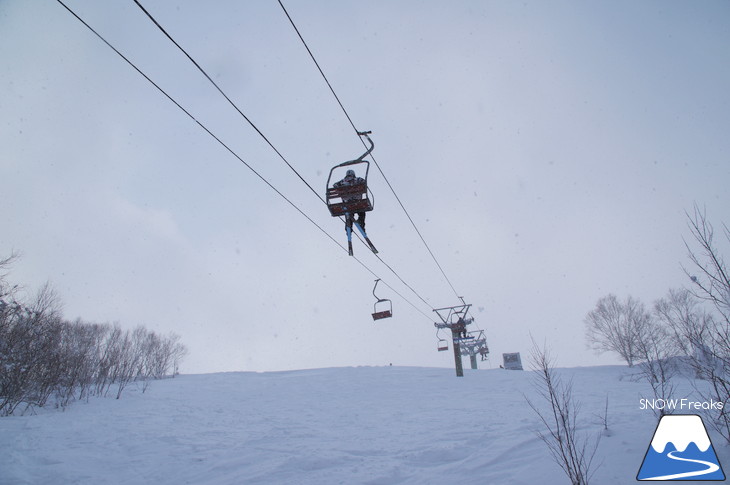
372 248
348 230
365 236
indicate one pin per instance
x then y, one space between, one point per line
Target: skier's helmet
350 173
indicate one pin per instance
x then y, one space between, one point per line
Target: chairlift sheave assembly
383 308
455 319
349 195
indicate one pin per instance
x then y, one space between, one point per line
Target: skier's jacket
349 181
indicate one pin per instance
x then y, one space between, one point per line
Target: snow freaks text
681 405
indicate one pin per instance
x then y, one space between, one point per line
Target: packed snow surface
363 425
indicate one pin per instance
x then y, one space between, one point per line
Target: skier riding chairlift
350 197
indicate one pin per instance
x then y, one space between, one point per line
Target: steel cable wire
224 145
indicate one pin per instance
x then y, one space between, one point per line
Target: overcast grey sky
546 151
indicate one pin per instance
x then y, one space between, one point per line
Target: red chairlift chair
386 306
353 198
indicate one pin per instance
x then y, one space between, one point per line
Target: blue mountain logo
681 450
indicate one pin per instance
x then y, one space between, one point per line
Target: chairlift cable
201 125
318 67
195 63
347 115
248 120
162 29
403 281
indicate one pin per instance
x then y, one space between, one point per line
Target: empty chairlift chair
383 308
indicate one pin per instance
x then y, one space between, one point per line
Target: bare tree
6 291
711 277
704 340
178 351
45 359
92 373
656 349
574 453
147 343
12 337
617 327
708 333
603 419
80 349
127 362
169 355
28 351
693 331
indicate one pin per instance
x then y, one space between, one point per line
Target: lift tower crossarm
455 319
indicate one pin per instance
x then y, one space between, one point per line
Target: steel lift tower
456 318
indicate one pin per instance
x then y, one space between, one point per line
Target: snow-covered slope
369 425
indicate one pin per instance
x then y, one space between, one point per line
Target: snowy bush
571 450
44 358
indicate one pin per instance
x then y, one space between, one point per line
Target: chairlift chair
441 343
386 306
354 198
484 352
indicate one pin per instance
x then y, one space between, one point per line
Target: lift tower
456 318
475 345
